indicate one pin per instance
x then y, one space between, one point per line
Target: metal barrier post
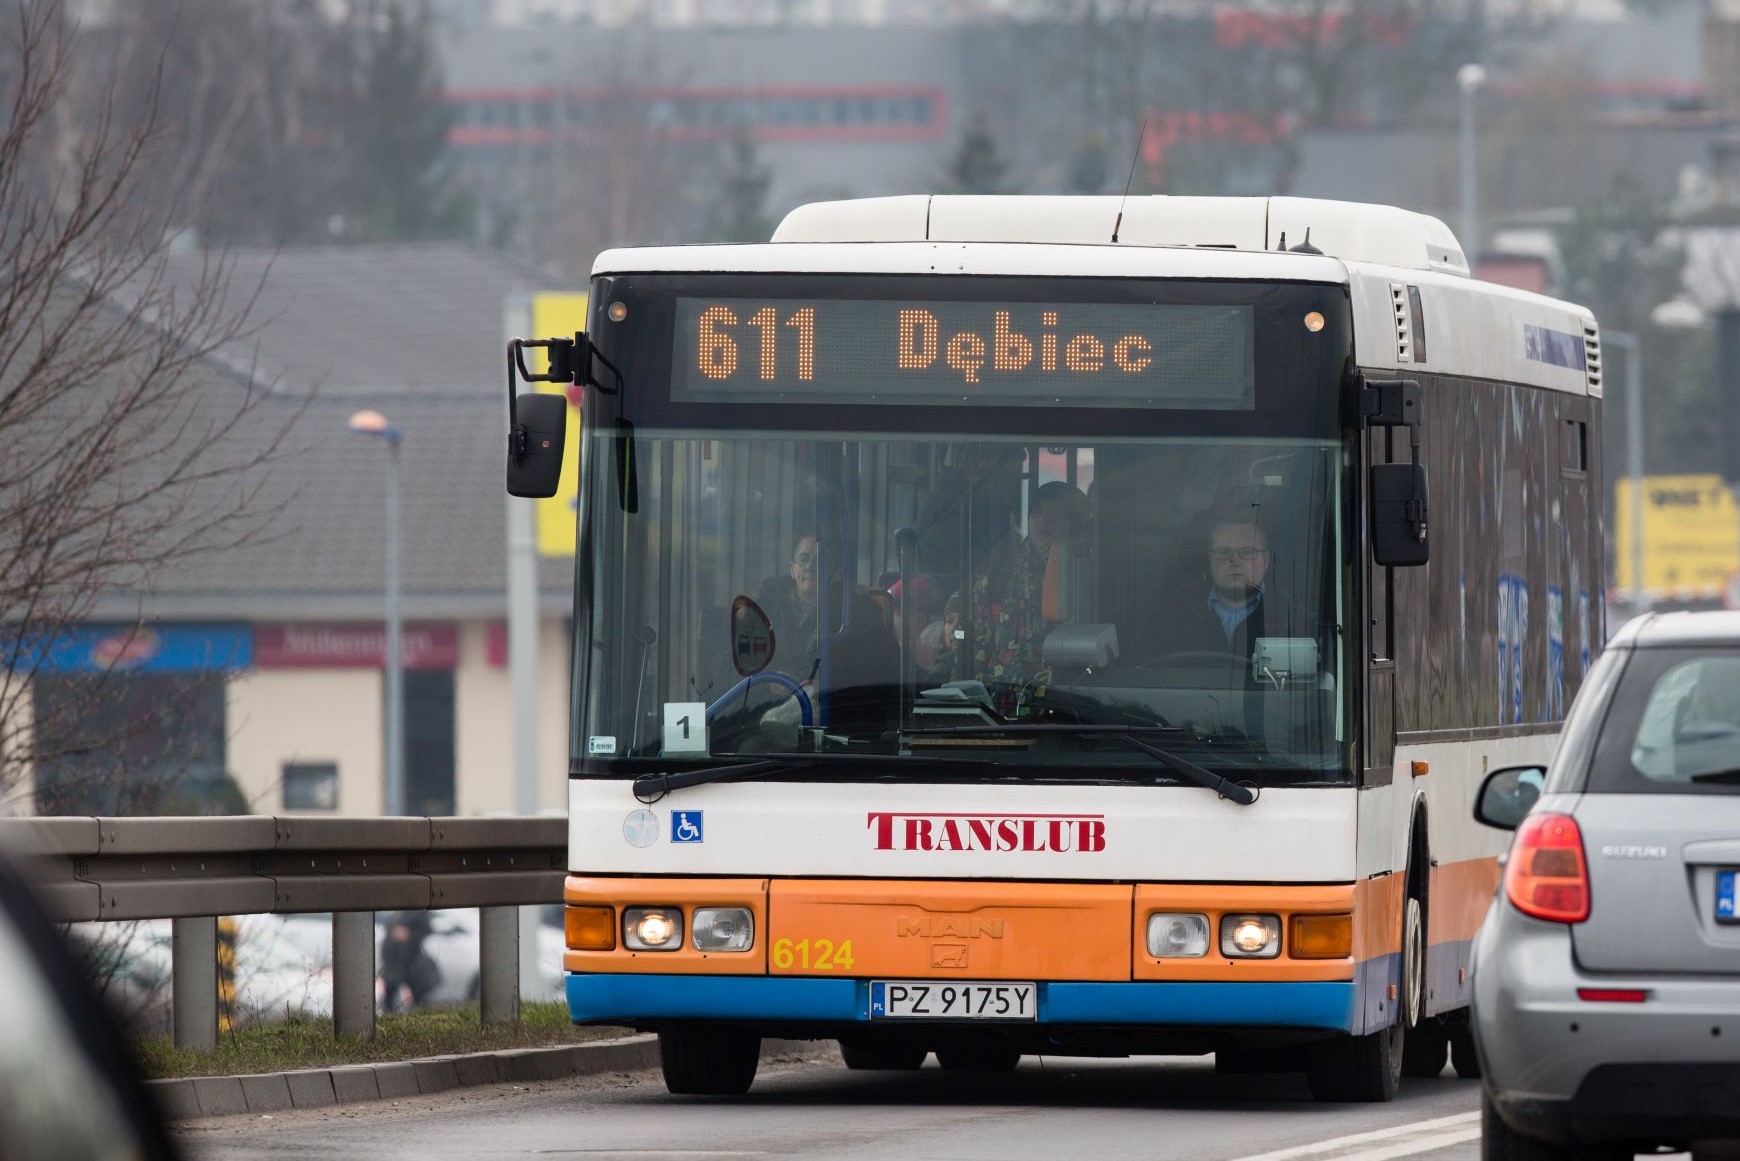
498 968
194 982
353 973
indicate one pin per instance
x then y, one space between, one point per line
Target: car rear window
1673 725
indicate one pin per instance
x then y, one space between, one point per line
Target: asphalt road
1153 1109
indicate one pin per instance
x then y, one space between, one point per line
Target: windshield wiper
649 788
1731 777
1130 736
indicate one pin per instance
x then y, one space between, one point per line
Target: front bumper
775 1000
1560 1068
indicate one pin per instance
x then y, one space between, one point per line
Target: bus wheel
1357 1068
978 1058
1369 1068
708 1061
882 1057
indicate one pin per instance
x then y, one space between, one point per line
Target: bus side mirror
539 427
1398 515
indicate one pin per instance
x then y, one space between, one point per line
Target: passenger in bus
1221 611
1016 600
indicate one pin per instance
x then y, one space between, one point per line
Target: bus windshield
774 588
906 520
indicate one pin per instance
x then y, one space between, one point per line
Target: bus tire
1368 1068
1357 1069
978 1058
876 1057
708 1061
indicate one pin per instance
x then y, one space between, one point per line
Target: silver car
1607 973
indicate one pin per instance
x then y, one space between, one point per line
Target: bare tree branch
127 450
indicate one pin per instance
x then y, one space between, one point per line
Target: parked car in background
1607 973
453 944
283 964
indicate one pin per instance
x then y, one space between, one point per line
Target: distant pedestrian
408 973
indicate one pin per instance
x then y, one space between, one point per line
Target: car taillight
1546 876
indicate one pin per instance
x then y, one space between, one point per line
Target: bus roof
1352 231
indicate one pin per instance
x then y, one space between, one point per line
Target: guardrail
192 870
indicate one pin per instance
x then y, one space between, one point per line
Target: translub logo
895 831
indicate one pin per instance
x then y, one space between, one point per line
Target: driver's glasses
1235 555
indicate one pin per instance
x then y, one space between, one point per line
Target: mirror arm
1399 403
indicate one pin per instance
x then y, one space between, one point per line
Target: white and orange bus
1025 625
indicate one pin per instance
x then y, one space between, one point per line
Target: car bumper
1560 1068
770 1000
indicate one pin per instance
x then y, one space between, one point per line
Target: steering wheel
766 677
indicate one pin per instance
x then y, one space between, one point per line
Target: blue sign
151 648
685 826
1725 897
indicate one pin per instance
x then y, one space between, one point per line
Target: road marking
1386 1144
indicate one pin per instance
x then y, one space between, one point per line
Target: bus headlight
1250 936
723 929
1177 936
652 928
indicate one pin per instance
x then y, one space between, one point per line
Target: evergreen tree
400 186
741 212
976 167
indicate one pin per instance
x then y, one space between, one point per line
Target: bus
1067 626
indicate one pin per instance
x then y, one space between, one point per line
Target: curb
185 1098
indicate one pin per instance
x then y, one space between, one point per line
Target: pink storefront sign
326 646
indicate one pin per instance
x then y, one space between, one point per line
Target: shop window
429 741
310 786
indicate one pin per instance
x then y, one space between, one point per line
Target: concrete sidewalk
317 1088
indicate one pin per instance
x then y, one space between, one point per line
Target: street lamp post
375 424
1469 78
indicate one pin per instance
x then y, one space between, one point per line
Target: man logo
641 828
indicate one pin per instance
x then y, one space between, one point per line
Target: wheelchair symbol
686 826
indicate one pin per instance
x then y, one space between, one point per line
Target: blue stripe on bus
1326 1004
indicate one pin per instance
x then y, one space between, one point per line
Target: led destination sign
944 352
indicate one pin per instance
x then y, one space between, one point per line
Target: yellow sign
1691 535
557 316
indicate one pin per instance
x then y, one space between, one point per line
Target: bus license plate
935 1000
1727 906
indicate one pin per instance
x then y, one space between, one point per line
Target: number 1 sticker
685 728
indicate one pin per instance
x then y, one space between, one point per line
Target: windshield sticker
601 744
640 828
752 639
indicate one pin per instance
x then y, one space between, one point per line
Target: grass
308 1042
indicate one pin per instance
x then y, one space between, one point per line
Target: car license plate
965 1000
1727 907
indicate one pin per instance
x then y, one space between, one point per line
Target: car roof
1662 630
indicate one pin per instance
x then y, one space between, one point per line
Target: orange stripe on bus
1377 916
970 930
1461 893
985 930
